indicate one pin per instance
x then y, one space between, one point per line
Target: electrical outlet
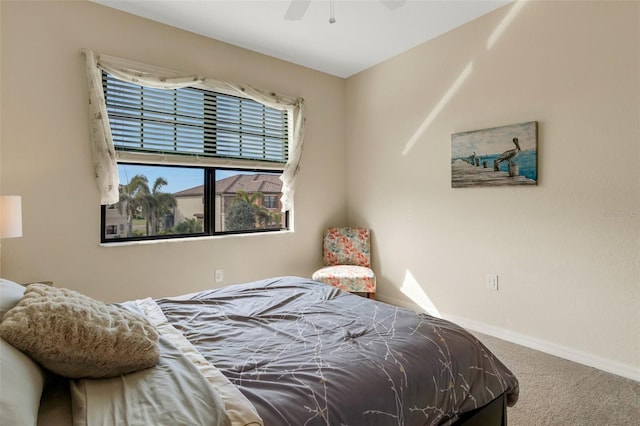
219 275
492 282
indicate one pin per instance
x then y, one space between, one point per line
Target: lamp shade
10 216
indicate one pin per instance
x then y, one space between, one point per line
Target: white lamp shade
10 216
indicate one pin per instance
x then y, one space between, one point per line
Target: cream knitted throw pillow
76 336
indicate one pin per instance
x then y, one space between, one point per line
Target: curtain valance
104 154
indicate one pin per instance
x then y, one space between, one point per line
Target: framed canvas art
498 156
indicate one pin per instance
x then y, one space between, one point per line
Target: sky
178 178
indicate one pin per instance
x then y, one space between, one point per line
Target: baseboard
550 348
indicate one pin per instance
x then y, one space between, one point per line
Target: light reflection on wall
506 21
436 110
415 292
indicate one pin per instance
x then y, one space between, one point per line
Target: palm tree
158 204
243 211
267 217
131 201
274 219
136 199
262 215
244 197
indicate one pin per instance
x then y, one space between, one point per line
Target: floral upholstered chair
347 260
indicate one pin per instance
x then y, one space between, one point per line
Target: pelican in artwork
509 155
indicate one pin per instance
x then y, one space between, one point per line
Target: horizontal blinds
194 122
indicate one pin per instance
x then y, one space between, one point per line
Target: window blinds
194 122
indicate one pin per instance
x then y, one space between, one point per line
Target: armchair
347 260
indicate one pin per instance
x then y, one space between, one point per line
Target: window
270 202
176 196
172 201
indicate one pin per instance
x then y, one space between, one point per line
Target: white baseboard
551 348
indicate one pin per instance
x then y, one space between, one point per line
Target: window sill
192 239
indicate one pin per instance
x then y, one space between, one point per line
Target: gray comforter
307 354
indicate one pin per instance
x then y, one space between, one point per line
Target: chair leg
371 296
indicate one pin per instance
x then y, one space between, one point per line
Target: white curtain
104 155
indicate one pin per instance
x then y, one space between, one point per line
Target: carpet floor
554 391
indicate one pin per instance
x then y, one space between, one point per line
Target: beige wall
45 155
567 251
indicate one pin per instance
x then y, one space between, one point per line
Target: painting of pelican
510 154
496 156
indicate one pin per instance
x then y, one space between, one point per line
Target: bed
287 351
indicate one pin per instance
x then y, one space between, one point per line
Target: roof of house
259 182
196 190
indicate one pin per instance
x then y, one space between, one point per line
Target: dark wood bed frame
492 414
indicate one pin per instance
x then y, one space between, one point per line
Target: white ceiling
366 32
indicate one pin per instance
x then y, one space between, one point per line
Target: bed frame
492 414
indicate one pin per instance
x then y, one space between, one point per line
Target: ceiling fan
298 8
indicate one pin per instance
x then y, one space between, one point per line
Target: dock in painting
464 174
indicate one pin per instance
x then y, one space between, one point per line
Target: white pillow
10 295
21 382
21 379
76 336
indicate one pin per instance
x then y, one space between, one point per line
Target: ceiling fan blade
393 4
296 10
